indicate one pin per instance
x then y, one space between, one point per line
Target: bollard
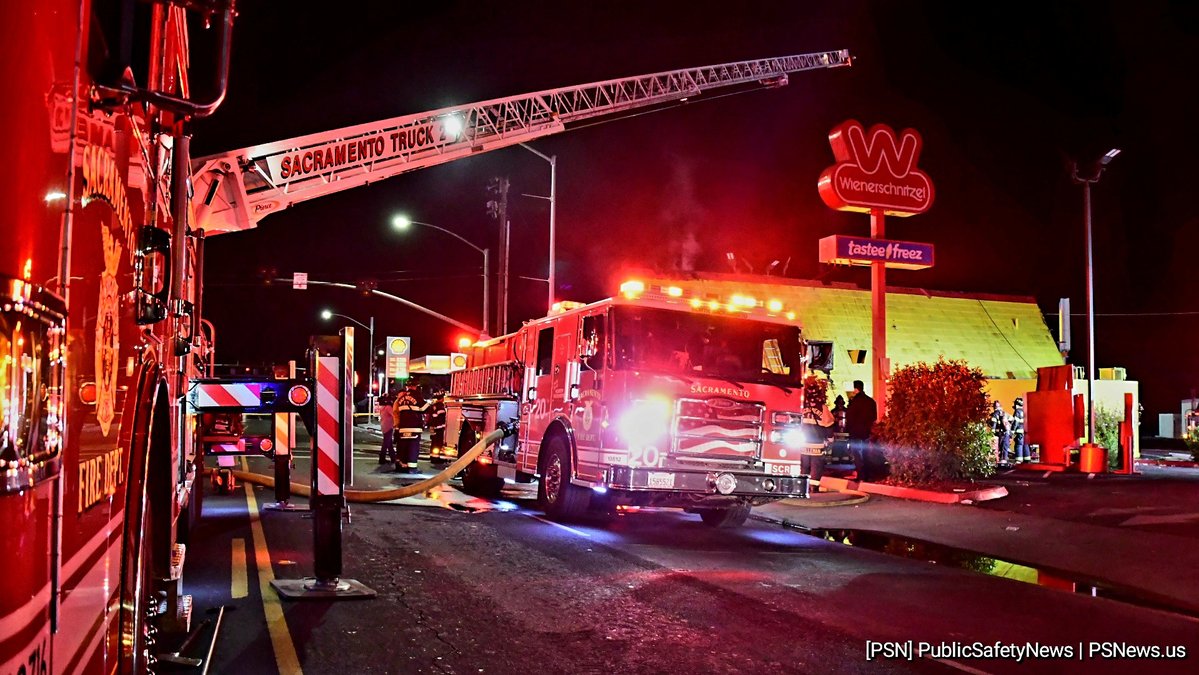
332 361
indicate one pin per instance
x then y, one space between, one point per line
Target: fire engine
100 329
651 398
102 335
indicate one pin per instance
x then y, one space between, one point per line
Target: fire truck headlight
646 421
792 438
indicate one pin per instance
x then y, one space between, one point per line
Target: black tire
189 520
558 496
481 480
727 517
478 479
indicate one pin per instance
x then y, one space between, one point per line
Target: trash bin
1092 458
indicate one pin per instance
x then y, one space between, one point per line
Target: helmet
1019 401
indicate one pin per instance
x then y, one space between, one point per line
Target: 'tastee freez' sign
904 255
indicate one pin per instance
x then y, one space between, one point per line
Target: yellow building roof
1005 336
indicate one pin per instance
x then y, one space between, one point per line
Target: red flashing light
266 445
299 395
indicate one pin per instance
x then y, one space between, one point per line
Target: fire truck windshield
707 345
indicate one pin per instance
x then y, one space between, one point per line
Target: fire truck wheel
560 499
481 480
727 517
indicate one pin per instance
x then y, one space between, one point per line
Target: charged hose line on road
858 497
371 496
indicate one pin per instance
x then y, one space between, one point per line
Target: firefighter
1017 423
437 422
999 426
839 414
410 424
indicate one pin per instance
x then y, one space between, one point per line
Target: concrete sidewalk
1159 567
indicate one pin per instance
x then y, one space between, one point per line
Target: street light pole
1086 215
370 388
553 199
404 222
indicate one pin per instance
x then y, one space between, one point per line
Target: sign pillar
332 367
878 305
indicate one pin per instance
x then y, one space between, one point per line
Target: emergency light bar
633 289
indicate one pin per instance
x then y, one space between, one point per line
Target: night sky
1004 96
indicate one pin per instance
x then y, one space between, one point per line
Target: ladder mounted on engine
498 379
234 190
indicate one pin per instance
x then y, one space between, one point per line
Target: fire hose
370 496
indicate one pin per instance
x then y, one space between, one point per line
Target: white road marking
568 529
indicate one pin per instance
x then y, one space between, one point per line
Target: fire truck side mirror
820 355
152 270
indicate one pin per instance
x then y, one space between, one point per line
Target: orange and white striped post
331 360
285 435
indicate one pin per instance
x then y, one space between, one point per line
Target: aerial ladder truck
233 191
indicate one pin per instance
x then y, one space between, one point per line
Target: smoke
682 217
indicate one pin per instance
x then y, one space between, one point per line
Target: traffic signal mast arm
232 191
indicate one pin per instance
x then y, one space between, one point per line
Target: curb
916 494
1177 463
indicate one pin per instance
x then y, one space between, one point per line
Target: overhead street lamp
553 200
1086 182
327 314
403 223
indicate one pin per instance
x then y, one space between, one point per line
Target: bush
1192 440
1107 434
935 428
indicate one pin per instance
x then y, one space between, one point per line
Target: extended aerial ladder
234 190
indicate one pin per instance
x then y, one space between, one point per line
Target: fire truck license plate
784 469
658 479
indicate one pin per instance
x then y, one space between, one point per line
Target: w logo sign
875 171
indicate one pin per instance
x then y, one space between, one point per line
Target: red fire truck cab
649 398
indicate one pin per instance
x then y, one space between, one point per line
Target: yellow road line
238 587
285 650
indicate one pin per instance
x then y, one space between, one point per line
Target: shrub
1107 434
1192 440
935 428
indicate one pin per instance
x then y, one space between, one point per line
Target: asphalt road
466 586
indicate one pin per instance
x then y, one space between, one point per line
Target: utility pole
553 200
498 209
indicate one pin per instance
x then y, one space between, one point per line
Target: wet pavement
468 585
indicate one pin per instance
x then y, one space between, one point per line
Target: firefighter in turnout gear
410 423
1002 430
437 422
1021 450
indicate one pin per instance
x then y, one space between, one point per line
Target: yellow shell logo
399 345
459 361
